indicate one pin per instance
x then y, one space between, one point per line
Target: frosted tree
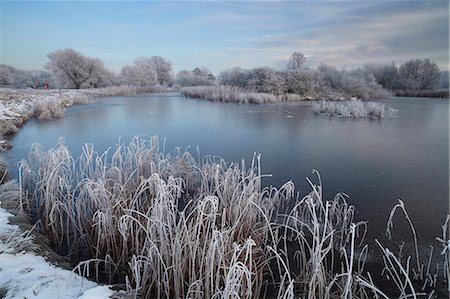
419 74
265 79
74 70
357 83
7 74
163 69
141 73
385 74
330 75
296 61
11 76
444 80
33 79
305 82
234 77
198 76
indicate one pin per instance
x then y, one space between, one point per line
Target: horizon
221 35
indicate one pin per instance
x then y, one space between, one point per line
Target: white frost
26 275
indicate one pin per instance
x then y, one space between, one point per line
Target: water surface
375 162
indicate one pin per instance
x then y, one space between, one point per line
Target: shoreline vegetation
168 226
354 109
441 93
235 94
29 267
19 105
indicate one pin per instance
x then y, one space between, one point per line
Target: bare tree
74 70
198 76
296 61
7 74
419 74
11 76
141 73
265 79
234 77
444 80
163 69
385 74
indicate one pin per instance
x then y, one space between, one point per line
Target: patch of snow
100 292
26 275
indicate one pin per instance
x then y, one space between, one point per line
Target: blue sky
220 35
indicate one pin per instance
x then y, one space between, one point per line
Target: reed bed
124 90
170 226
225 93
354 109
440 93
228 94
3 168
18 106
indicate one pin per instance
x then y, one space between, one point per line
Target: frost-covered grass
19 105
441 93
124 90
228 94
3 167
224 93
181 228
354 109
24 274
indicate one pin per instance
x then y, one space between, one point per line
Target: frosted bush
125 90
228 94
48 110
354 109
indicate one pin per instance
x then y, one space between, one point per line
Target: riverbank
225 93
176 227
28 269
19 105
235 94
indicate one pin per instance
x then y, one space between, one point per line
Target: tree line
369 81
68 68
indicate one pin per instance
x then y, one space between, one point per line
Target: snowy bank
235 94
23 274
19 105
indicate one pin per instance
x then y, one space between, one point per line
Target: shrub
354 109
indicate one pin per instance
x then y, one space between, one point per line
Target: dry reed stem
172 227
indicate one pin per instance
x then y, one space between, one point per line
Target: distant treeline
416 77
68 68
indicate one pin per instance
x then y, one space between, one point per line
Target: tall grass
228 94
3 168
225 93
49 110
440 93
124 90
354 109
170 226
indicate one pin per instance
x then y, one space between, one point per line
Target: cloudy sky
220 35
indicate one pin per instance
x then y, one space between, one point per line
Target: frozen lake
375 162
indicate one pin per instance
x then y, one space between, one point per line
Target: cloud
375 32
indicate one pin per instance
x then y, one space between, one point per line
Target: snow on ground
19 105
27 275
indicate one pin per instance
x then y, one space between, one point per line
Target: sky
221 35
